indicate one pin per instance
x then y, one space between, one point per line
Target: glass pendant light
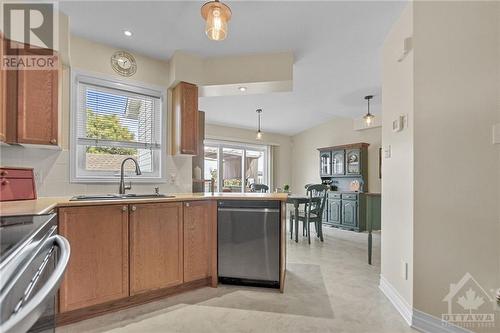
368 117
259 132
216 14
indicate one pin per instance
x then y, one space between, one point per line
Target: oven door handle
24 318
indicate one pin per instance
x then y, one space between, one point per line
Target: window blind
109 117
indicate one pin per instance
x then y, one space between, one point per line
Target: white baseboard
396 299
426 323
419 320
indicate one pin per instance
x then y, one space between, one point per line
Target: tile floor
329 288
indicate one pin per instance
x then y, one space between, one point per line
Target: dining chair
313 210
259 188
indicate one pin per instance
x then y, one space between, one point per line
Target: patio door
235 166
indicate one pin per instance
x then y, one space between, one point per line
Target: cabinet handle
133 208
124 208
53 141
187 204
5 182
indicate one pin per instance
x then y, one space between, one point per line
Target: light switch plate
387 151
496 133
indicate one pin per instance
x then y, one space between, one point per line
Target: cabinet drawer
16 173
349 196
17 189
334 195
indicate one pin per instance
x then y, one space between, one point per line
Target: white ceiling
336 44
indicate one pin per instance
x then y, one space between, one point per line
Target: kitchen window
236 166
113 120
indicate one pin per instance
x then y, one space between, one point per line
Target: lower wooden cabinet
119 251
199 237
98 266
156 250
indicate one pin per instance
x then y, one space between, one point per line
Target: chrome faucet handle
129 186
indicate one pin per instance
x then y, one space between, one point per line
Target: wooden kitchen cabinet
185 119
98 266
3 93
156 245
37 105
29 109
200 243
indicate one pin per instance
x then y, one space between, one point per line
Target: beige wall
282 148
338 131
456 221
52 166
397 179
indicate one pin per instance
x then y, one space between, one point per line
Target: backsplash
52 173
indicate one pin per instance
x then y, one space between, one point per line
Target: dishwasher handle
250 210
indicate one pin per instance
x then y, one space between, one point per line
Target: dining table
296 200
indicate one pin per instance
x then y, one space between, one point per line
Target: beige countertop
46 204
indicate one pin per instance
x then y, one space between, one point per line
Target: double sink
119 196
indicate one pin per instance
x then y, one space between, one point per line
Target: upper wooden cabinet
200 240
30 102
98 266
3 93
185 119
155 246
37 111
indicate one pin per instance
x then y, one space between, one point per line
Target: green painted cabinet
325 163
335 211
353 162
349 213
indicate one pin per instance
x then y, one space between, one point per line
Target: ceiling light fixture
127 33
259 132
368 117
242 89
216 14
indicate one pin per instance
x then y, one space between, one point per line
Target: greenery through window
112 123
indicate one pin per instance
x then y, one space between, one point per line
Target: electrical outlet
496 134
404 270
173 178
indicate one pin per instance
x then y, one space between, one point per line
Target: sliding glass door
236 166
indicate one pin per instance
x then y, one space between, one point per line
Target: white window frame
221 144
84 77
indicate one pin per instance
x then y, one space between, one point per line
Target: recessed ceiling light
127 33
242 89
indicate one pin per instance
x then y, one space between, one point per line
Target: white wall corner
396 299
426 323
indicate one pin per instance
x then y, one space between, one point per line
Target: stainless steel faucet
138 172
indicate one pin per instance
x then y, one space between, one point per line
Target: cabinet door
200 250
325 163
185 105
353 162
334 211
37 106
155 246
98 265
349 213
338 167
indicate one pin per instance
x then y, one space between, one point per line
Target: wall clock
123 63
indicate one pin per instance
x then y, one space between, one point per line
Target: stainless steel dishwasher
249 242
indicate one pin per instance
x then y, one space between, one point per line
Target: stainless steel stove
33 259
